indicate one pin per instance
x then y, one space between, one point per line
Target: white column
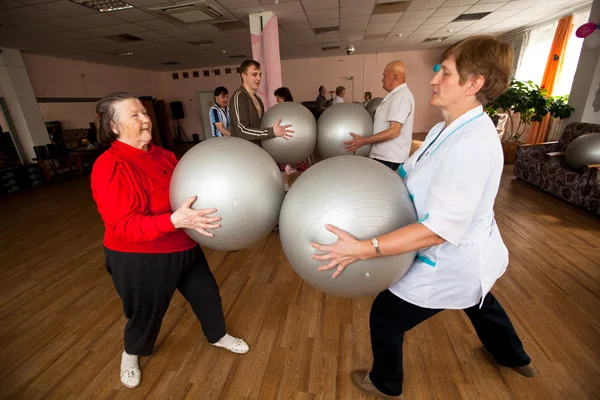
22 103
264 33
587 77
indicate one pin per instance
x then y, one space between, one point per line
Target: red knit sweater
131 188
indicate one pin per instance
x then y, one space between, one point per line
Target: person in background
247 108
340 92
283 94
393 122
219 113
322 102
147 253
368 96
453 181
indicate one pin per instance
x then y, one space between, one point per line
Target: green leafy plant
559 107
525 102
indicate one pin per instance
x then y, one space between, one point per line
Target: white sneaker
232 344
131 377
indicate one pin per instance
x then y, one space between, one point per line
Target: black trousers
146 283
391 317
392 165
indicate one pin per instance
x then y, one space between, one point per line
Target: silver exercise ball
373 104
335 125
583 150
240 180
359 196
304 125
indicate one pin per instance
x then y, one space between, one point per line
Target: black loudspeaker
52 150
40 152
61 148
177 110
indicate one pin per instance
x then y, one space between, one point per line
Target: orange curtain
539 130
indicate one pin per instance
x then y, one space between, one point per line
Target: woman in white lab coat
453 180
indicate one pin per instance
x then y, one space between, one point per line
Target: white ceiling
68 30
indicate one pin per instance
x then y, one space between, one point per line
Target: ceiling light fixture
104 5
122 53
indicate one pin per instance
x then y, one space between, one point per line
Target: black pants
146 283
392 165
391 317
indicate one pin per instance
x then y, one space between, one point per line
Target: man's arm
390 133
222 129
358 141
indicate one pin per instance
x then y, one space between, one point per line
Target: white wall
586 79
304 76
589 115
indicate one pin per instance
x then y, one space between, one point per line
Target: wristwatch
375 244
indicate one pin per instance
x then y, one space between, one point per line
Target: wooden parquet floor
61 320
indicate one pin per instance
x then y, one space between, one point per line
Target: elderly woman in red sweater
147 253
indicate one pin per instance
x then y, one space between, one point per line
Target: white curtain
535 55
518 42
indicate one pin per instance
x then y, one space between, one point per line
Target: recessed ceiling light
434 40
202 43
398 34
122 53
104 5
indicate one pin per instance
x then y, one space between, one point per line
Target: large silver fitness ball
335 125
373 104
583 150
359 196
240 180
304 125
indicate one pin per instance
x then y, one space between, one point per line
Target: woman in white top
453 180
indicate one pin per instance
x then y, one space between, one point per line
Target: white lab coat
453 187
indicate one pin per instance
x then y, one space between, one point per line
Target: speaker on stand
177 113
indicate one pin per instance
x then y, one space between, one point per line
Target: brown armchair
544 166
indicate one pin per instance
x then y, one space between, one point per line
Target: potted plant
524 102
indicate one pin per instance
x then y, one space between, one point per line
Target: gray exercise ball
304 125
359 196
373 104
335 125
240 180
583 150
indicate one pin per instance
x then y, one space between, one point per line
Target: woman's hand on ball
346 250
186 217
283 131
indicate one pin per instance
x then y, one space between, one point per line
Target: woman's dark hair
105 112
284 93
220 90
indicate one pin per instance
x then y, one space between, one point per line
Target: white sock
226 340
128 361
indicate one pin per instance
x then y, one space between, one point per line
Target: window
571 58
537 45
533 63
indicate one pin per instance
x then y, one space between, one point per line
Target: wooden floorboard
61 321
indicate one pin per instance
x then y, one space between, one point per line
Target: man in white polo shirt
393 121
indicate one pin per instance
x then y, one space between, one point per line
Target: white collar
464 117
396 90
